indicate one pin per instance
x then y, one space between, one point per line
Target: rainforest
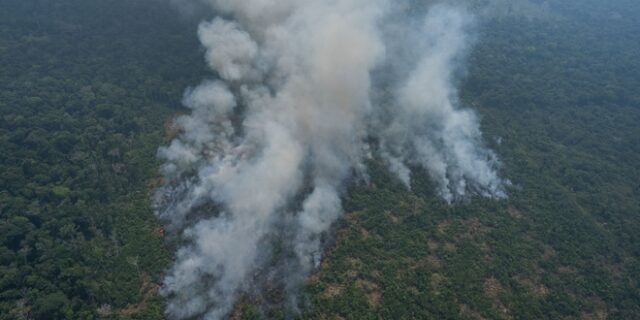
341 159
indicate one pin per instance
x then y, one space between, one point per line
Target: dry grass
171 128
492 288
443 226
432 245
333 290
372 291
149 289
514 212
534 285
474 228
394 219
468 313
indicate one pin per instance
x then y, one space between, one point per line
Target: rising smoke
424 128
264 154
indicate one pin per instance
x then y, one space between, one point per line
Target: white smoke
426 128
267 148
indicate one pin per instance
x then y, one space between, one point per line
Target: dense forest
87 92
86 88
560 103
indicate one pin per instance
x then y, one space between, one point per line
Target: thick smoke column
425 128
262 158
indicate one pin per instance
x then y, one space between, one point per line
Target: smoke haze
425 128
263 157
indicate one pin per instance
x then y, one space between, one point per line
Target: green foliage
85 90
560 104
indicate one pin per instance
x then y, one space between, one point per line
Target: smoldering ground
255 178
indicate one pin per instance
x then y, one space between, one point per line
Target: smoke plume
254 180
425 127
